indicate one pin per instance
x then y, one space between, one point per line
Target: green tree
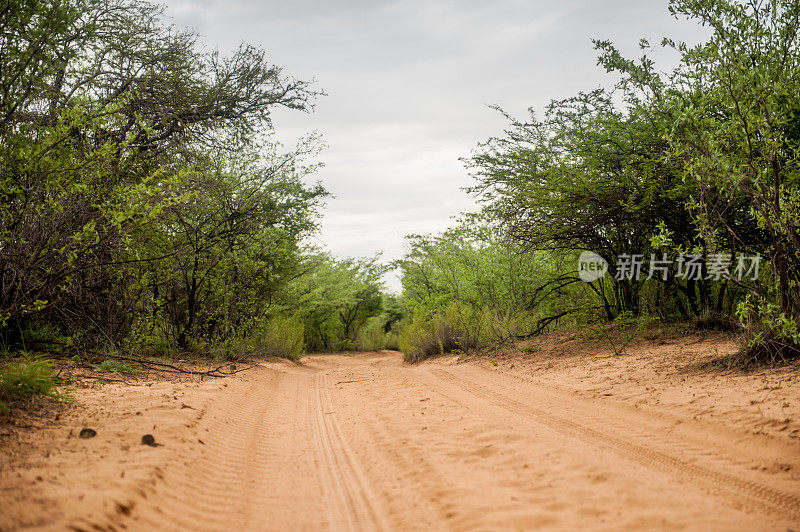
470 287
734 119
232 245
590 176
104 110
337 298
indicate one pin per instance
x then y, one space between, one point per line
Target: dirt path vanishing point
368 443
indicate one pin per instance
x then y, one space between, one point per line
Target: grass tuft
115 367
26 379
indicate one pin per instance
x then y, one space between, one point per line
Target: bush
392 341
26 379
280 337
457 327
115 367
274 337
770 336
372 336
417 340
420 338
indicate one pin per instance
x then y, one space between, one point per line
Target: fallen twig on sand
214 372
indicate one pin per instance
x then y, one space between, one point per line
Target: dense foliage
468 287
144 203
694 175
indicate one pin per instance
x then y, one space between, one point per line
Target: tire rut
765 496
351 505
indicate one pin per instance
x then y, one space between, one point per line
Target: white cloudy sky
409 83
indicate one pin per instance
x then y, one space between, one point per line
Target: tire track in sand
770 498
196 493
351 503
256 436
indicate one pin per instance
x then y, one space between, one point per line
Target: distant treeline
144 205
693 174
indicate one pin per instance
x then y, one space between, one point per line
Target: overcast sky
409 84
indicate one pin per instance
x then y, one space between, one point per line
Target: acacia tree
231 244
103 110
590 176
734 120
336 299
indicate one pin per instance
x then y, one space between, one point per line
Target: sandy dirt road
367 443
